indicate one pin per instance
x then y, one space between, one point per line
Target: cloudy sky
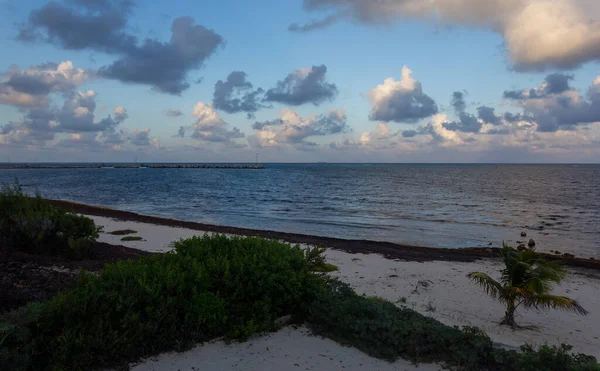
300 80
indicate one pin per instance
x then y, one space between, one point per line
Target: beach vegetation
131 238
527 280
33 225
384 330
122 232
235 287
208 287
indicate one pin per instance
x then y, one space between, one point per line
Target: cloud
210 127
101 26
303 85
467 123
292 129
458 101
141 138
76 116
555 83
237 95
400 101
27 88
561 108
488 115
314 24
533 30
174 113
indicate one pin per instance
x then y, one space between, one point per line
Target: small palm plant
527 280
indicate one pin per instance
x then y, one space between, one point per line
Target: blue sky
365 46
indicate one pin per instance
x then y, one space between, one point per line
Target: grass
237 287
131 238
122 232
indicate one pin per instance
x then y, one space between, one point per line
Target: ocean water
425 205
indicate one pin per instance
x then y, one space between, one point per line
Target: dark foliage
33 225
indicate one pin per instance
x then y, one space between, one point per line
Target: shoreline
388 250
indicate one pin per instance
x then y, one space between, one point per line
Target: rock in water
521 247
523 234
531 243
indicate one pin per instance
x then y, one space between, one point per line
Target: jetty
133 166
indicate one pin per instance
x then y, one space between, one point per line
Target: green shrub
383 330
209 287
33 225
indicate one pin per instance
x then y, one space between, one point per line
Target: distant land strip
387 249
136 166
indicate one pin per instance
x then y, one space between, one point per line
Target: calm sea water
427 205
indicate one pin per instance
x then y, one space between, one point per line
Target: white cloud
539 34
292 129
400 100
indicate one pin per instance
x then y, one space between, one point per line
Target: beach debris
523 234
424 283
531 243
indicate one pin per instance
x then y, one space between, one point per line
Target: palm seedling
527 280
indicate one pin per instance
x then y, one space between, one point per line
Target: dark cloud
174 112
458 101
515 117
218 135
96 25
258 125
165 65
488 115
141 138
236 94
314 24
467 123
303 86
555 83
181 132
101 25
555 106
409 133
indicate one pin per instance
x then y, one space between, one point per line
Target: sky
300 81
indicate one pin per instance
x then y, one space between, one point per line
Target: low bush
33 225
209 287
381 329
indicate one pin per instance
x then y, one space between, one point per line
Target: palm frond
491 286
554 302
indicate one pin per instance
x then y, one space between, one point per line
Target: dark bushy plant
383 330
210 287
33 225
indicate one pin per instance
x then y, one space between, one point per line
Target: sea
435 205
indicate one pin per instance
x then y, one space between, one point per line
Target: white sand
287 349
450 297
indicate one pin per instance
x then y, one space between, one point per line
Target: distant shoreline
387 249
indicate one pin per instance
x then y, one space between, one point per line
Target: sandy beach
439 289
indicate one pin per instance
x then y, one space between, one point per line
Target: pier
134 166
